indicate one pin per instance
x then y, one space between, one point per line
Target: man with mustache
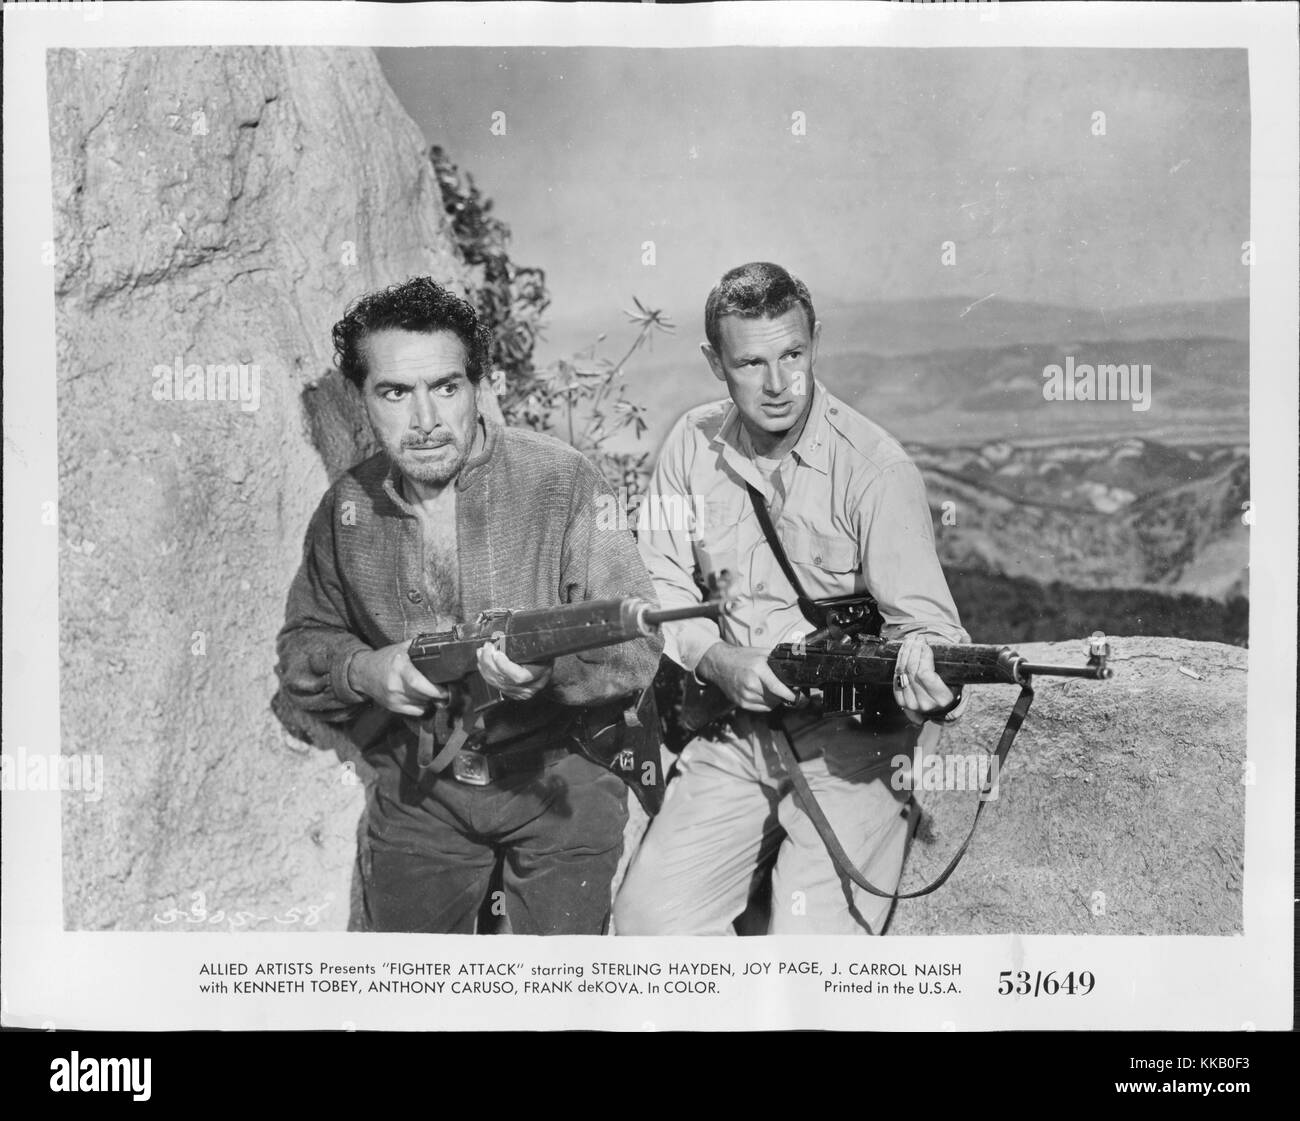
455 515
850 511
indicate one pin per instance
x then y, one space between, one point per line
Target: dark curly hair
758 290
421 304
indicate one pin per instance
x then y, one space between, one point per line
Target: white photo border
124 981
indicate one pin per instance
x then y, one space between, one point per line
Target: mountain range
952 371
1082 494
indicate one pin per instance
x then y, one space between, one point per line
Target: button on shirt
849 507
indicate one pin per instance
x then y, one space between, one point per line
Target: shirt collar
813 446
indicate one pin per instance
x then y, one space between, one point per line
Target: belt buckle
471 768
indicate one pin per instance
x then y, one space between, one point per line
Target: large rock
214 207
1121 809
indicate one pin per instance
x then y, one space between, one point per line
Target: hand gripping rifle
532 636
852 671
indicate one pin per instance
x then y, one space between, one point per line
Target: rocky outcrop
215 209
1121 809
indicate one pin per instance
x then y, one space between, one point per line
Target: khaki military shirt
848 504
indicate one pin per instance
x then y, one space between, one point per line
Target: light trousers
731 806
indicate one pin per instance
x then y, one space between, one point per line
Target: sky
852 167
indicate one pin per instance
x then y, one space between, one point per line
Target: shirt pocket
826 565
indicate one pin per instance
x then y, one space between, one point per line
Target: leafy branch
582 396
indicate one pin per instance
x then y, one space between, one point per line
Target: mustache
418 442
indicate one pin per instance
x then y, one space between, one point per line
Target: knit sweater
527 537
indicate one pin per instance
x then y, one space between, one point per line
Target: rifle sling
843 864
806 605
430 764
785 751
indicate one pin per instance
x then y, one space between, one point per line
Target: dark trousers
429 852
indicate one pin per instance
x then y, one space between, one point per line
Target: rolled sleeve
668 552
899 558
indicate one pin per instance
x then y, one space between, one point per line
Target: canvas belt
482 768
797 720
468 759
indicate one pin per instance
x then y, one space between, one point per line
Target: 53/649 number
1039 983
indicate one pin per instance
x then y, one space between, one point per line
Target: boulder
1121 808
214 208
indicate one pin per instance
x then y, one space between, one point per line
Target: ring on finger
900 681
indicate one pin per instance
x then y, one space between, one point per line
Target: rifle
853 673
625 741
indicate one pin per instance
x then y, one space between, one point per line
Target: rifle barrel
1100 673
710 609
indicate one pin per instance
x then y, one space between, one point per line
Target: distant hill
1198 390
921 326
1131 513
952 371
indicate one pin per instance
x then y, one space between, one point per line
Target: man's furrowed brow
396 381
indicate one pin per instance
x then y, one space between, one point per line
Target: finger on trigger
777 687
417 682
936 687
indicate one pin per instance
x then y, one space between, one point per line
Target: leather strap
806 605
429 764
843 864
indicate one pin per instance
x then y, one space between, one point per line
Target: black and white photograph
610 475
